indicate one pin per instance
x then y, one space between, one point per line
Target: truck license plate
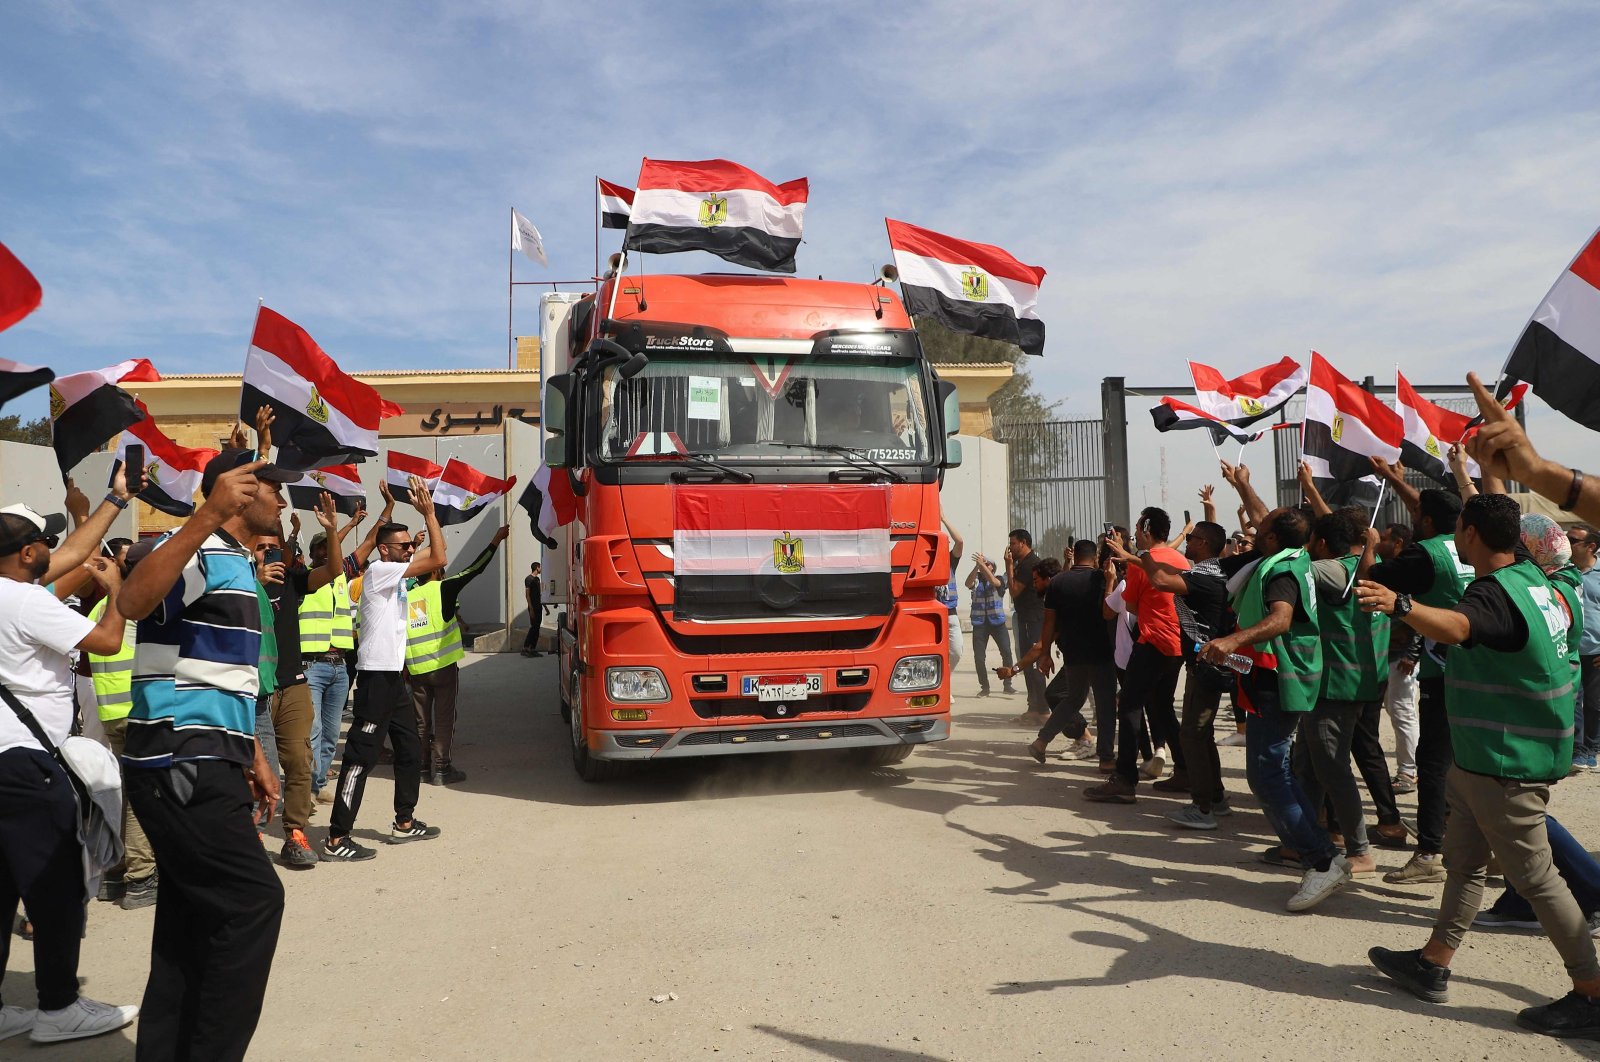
782 687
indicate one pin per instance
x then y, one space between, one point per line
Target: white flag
525 238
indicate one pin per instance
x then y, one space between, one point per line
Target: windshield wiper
856 457
702 461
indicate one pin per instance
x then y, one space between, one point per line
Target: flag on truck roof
1558 353
1345 426
1171 415
463 492
973 288
171 471
1248 398
719 207
341 481
550 504
88 409
324 416
20 292
616 204
400 467
525 237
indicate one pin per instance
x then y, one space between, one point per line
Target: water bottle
1235 662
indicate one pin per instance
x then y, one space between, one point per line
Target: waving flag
1558 353
717 206
525 237
17 378
1248 398
324 416
171 472
88 408
401 467
549 503
616 204
341 481
20 293
974 288
1172 415
1345 426
463 492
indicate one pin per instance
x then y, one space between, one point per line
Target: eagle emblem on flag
1432 446
469 501
975 284
1251 407
1338 426
789 554
57 403
150 472
714 210
320 478
317 409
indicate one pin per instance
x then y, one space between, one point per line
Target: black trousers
1150 684
218 910
1367 751
41 864
1435 757
382 706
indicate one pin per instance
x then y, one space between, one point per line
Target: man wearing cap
380 662
41 858
194 770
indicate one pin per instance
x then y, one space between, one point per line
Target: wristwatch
1402 606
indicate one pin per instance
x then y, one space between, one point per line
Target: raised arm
91 528
1313 496
1457 458
370 542
435 556
1395 476
333 562
106 638
1502 449
153 577
1444 625
1238 477
1208 507
958 545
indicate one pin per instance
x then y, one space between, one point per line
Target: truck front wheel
883 755
589 768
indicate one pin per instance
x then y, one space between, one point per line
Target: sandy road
966 906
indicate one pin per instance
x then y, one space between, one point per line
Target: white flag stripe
615 204
76 385
447 493
1571 311
746 207
273 377
747 552
1354 435
943 276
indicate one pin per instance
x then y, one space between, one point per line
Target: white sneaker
14 1020
1318 885
1082 749
84 1018
1152 767
1233 740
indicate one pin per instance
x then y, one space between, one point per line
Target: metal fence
1058 479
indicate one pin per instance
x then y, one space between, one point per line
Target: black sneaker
445 776
297 852
984 692
1572 1015
1415 974
137 894
111 890
417 831
346 851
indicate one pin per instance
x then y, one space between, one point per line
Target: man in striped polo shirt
194 770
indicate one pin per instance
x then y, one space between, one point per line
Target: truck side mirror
952 453
553 415
555 451
952 409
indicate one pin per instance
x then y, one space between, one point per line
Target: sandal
1279 857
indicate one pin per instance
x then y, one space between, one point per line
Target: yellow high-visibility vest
113 675
325 619
432 642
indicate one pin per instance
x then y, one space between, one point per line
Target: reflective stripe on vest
316 621
344 614
431 641
112 675
1511 713
1355 646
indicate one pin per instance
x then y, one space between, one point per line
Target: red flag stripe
20 293
1250 385
1586 267
791 508
158 445
460 474
992 259
410 465
715 175
619 191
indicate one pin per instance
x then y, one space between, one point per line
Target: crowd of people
217 662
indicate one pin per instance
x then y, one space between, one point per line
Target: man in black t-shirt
534 593
1027 617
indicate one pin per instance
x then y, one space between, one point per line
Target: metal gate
1058 479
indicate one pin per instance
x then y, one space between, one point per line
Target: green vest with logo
1355 646
1568 581
1450 579
1511 713
113 675
1299 650
325 619
432 642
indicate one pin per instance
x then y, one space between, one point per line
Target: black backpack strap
28 721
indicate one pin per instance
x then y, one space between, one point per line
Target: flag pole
248 421
597 225
511 251
1377 507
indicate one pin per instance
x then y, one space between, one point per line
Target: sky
1387 184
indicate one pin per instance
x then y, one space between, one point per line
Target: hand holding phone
133 468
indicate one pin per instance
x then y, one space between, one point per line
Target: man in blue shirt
1585 541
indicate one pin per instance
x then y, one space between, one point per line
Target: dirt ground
968 905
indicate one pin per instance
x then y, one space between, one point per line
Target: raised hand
235 489
327 516
239 439
1500 447
1205 494
500 535
104 570
264 418
421 500
77 503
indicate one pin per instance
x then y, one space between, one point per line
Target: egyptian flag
754 552
549 503
324 417
616 204
974 288
88 408
463 492
1344 427
20 293
720 207
401 467
171 472
1172 415
17 378
341 481
1431 429
1248 398
1558 353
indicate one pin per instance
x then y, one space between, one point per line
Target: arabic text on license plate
788 691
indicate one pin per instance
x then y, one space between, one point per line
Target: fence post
1114 447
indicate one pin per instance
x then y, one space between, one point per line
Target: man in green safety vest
1508 698
433 659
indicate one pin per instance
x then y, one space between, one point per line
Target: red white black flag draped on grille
1345 427
172 472
550 504
1248 398
973 288
87 409
324 416
616 203
1558 352
1172 415
341 481
463 492
719 207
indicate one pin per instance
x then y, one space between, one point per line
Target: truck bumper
736 740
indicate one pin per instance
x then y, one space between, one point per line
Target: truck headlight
916 673
636 684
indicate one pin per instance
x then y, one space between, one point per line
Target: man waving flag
719 207
968 287
1345 427
1248 398
463 492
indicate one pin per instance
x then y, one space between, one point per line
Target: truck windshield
736 407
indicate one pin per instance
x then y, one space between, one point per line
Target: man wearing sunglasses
385 706
41 860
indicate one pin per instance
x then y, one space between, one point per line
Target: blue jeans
330 685
1268 741
1576 866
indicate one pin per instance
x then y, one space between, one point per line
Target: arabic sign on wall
456 418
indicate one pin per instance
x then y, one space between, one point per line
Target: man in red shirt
1152 674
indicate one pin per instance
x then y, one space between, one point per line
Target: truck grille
754 644
778 734
721 707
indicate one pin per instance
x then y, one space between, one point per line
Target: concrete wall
974 501
30 475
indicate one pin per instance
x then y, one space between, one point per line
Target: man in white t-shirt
382 704
41 858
